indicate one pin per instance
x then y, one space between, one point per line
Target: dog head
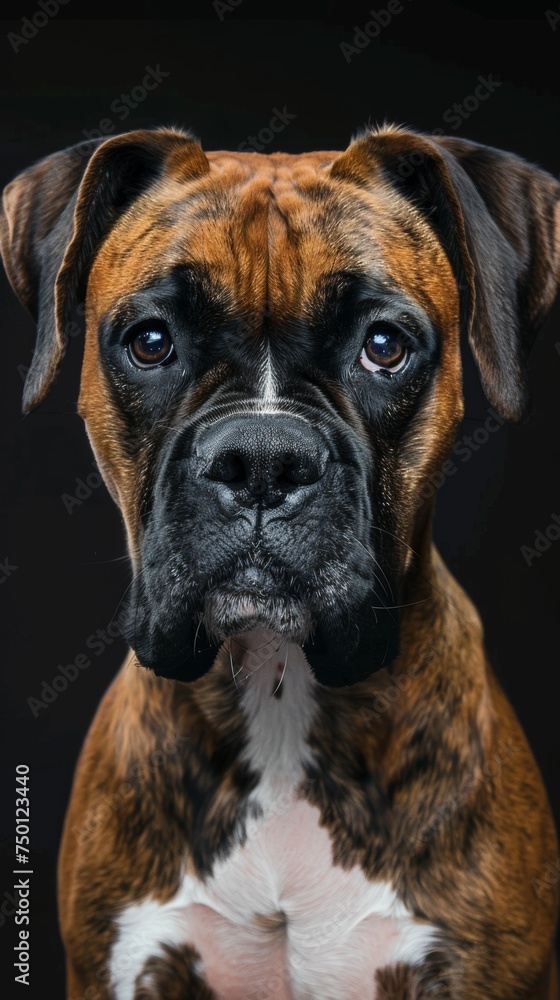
272 368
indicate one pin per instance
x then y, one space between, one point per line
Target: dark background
225 79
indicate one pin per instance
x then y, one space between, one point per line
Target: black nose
261 460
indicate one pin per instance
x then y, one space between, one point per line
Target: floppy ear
55 215
498 218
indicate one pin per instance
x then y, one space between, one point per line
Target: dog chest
276 918
279 918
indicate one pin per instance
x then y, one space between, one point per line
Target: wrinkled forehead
271 230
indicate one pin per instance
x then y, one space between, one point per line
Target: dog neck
441 661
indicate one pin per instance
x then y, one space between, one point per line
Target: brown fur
172 977
434 752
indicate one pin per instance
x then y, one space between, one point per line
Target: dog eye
150 347
384 350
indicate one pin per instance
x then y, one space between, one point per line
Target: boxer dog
305 783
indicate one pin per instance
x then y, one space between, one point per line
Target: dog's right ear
55 215
498 219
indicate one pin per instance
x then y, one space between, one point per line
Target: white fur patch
277 920
268 382
277 728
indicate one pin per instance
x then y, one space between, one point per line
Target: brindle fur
384 777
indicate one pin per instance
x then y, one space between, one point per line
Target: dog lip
254 577
234 606
246 608
254 584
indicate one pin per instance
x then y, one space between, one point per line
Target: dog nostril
280 475
299 472
261 463
228 469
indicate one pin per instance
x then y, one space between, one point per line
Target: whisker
255 649
278 686
445 597
232 670
400 540
374 558
394 607
99 562
196 636
118 607
262 663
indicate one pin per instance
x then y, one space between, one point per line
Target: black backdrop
227 70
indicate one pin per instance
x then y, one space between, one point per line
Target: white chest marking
277 920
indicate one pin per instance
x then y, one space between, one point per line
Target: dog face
266 446
272 365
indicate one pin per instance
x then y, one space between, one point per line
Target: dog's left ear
54 216
498 218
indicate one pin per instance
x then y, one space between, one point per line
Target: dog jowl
271 380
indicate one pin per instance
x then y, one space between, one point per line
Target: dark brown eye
150 347
384 350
